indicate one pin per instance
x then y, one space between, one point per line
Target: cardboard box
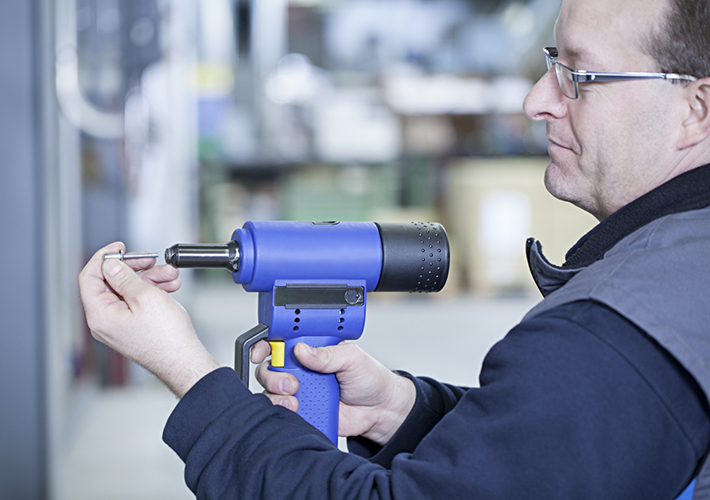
493 206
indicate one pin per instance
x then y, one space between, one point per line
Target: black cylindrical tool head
204 256
415 257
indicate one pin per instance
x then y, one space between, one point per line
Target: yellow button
278 349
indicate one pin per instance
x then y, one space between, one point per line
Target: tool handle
318 399
318 394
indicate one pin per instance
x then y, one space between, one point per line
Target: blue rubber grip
318 399
318 394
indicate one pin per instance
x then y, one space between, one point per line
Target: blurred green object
345 193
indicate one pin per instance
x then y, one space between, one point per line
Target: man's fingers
164 277
280 387
260 351
95 294
288 402
329 359
170 286
276 383
92 286
123 280
91 276
141 264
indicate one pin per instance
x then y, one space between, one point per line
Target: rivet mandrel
121 255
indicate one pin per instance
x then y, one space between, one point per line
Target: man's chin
562 186
553 179
557 183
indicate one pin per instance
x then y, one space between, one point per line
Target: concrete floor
117 453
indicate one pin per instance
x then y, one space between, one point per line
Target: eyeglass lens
564 78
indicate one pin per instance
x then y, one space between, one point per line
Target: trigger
278 351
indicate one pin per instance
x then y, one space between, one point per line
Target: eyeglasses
568 78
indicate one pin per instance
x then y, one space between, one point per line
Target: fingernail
313 350
112 267
285 403
285 386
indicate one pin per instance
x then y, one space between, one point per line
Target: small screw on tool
121 255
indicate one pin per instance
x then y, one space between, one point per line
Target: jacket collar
688 191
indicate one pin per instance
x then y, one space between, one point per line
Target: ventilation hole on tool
297 311
342 320
340 328
295 328
296 320
342 311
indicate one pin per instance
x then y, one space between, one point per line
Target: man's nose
545 100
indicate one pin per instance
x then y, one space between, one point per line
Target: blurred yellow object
213 79
493 206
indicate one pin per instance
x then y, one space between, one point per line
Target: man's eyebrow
577 54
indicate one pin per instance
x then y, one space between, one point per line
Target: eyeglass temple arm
584 77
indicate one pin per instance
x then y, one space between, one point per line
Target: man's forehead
589 31
573 49
635 11
578 54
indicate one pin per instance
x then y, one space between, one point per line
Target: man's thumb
319 359
122 278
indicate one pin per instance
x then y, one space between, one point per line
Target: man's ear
696 127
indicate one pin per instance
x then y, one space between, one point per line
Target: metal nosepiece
204 256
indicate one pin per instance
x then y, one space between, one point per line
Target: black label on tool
318 296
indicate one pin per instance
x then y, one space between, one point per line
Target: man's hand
133 314
374 402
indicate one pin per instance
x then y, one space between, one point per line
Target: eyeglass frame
582 76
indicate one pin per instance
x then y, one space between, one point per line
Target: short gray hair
680 41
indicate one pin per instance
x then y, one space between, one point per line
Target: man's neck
687 191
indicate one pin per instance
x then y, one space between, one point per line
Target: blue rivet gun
313 279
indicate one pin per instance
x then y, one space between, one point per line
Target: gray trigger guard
242 350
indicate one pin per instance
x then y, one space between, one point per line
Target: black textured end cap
415 257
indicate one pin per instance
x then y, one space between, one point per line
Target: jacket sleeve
433 401
560 413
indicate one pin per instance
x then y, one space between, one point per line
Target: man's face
616 141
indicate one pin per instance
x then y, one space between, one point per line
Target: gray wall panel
22 450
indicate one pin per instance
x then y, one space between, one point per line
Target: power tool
312 279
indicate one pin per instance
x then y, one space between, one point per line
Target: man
600 392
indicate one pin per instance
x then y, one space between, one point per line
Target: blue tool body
310 260
312 251
313 279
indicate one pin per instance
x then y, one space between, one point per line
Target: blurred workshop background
163 121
